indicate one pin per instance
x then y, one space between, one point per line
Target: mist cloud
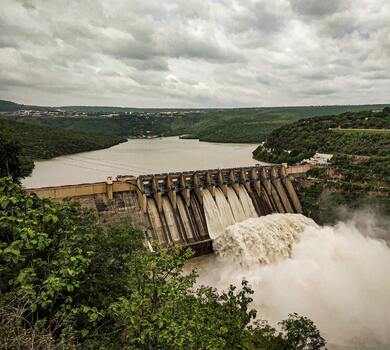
336 275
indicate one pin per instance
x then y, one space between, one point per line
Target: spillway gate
177 205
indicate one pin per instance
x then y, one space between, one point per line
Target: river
138 157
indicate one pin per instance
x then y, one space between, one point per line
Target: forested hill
363 133
360 166
244 125
123 125
9 106
42 142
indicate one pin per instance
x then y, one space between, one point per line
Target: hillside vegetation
124 125
249 125
42 142
45 136
360 176
9 106
297 141
242 125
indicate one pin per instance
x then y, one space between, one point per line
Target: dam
187 208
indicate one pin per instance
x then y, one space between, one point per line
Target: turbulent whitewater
338 276
261 240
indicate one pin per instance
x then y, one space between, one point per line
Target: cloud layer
193 53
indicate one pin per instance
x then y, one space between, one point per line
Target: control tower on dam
187 208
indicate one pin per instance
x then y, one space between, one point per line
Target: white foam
338 276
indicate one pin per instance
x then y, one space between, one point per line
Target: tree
42 253
165 312
296 333
300 333
13 161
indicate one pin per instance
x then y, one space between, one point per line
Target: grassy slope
361 133
42 142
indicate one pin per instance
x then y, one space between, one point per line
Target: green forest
43 142
249 125
300 140
122 126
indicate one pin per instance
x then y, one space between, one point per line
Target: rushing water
336 275
187 223
223 212
263 240
137 157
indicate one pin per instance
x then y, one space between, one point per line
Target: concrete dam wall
188 208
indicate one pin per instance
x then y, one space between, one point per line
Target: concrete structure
169 208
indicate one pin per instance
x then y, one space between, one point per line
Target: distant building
319 159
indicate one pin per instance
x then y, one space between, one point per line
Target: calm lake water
139 157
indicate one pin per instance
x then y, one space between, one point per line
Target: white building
319 159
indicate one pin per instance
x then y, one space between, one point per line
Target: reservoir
139 157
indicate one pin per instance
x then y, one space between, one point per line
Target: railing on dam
190 207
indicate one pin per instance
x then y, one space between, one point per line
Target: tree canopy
42 142
13 160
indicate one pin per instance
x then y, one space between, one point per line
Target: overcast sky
195 53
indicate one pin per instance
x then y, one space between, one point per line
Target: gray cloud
318 8
259 16
195 53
